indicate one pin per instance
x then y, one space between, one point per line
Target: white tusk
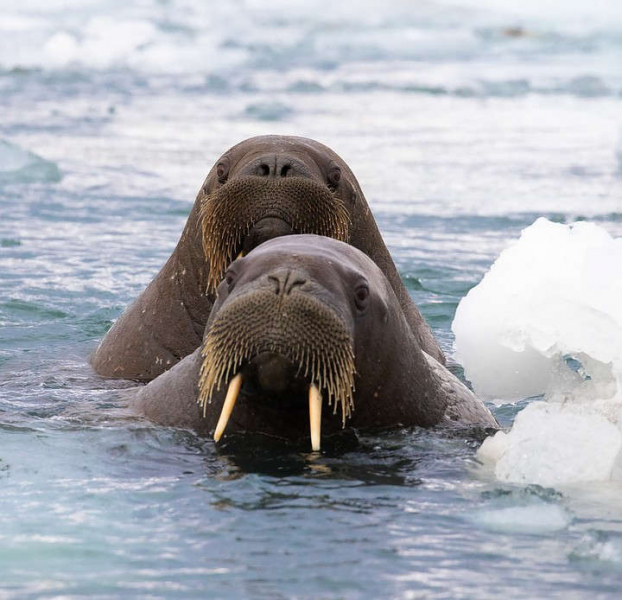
315 416
227 407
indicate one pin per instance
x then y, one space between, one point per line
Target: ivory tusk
315 416
227 408
240 255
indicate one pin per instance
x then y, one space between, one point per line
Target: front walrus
306 336
264 187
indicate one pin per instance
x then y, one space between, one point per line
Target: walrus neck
366 236
191 272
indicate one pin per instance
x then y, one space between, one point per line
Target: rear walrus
262 188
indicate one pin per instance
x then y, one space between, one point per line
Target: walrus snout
264 230
286 279
276 335
272 372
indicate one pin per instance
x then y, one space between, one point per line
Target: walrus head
299 321
269 187
283 327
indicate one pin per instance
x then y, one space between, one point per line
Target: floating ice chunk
20 166
547 319
533 519
551 444
557 292
493 448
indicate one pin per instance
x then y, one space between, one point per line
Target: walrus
300 322
263 187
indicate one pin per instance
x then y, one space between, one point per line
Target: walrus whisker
323 352
307 205
315 417
227 408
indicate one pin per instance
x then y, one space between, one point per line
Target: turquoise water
464 122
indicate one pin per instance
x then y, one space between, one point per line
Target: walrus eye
230 280
334 176
222 171
361 295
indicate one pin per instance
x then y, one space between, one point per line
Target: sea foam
534 519
547 320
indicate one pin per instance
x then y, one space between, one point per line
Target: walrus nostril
286 280
264 169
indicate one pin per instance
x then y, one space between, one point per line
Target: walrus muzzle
229 214
302 329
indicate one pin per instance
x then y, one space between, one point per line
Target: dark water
461 131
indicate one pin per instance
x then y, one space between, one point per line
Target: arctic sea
464 122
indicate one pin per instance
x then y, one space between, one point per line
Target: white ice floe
547 319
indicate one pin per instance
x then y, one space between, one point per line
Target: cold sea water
464 122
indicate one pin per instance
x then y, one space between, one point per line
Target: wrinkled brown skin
166 322
396 383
